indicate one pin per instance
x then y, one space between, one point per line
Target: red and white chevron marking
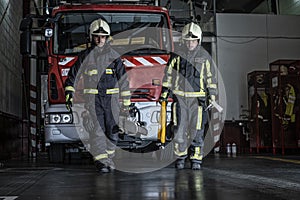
147 61
33 121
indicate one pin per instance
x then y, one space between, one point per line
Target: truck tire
56 153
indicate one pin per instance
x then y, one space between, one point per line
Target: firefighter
105 82
190 79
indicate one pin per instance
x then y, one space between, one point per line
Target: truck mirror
25 37
25 42
48 33
26 24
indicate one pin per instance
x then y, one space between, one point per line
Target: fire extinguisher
39 146
233 149
228 149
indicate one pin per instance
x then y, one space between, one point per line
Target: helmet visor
190 36
100 31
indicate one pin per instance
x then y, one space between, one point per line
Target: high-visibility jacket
193 76
103 73
289 102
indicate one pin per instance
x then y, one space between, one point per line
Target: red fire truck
140 32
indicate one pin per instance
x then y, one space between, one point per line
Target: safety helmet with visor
192 31
99 27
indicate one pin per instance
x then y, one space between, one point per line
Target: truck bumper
65 133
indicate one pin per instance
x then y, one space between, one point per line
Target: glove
164 95
124 111
69 100
212 98
161 99
128 110
87 122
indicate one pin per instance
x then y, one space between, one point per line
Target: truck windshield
131 32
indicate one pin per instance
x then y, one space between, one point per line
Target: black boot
196 166
111 165
196 158
180 163
102 167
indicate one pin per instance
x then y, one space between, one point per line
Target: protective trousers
189 120
104 139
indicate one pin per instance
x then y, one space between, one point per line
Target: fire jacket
289 102
193 76
103 72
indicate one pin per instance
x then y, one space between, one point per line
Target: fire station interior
252 142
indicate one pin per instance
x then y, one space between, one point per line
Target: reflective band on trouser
196 157
179 153
112 91
91 72
70 88
212 86
90 91
110 152
197 154
69 98
101 156
199 119
174 114
126 102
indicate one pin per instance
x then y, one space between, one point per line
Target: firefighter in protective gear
190 79
105 81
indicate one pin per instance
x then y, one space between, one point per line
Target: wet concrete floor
221 178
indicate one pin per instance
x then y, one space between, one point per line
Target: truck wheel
56 153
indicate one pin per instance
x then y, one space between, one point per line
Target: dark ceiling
231 6
244 6
222 6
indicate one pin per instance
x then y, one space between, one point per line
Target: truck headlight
58 118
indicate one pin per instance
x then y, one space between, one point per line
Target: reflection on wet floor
242 178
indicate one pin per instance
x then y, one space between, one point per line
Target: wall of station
10 79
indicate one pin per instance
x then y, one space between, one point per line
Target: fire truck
140 33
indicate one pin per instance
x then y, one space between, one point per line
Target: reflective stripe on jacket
103 73
190 78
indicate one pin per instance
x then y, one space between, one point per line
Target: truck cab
141 34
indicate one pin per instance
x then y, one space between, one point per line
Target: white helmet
192 31
99 27
283 70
